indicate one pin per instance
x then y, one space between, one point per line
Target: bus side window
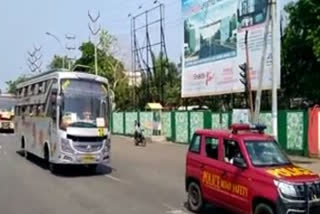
53 104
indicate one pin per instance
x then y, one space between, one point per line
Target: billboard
214 45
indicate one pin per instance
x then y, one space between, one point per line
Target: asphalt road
139 181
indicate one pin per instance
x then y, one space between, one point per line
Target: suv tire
195 200
263 209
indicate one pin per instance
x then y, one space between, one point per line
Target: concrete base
158 139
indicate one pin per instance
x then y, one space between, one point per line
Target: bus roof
7 101
61 74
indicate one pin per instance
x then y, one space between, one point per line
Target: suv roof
243 131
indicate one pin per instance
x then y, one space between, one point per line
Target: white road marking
116 179
172 210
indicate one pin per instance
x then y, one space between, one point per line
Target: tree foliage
57 62
108 66
301 53
161 84
12 84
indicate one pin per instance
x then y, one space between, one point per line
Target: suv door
236 183
212 170
194 161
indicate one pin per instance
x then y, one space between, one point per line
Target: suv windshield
85 103
266 154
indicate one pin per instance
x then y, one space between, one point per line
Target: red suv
245 171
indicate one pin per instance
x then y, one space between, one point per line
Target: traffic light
244 75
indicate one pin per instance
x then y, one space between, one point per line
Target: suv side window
195 144
212 147
231 151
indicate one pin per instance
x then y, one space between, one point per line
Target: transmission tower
34 59
148 41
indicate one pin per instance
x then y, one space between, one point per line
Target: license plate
5 125
88 159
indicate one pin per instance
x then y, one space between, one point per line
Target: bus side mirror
60 100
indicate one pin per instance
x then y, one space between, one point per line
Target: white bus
63 117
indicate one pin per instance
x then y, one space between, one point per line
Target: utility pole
71 48
262 66
275 69
95 31
248 76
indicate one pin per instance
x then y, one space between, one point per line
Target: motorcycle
140 139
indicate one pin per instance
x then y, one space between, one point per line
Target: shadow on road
69 170
209 209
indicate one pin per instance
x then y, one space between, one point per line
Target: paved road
141 181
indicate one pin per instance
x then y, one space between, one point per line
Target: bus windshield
84 104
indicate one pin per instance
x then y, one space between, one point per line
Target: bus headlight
11 126
65 146
107 145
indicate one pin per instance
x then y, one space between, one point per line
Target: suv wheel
195 200
263 209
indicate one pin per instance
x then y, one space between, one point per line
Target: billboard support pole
275 67
262 67
249 77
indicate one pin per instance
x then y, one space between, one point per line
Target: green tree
108 66
161 84
57 62
12 84
301 53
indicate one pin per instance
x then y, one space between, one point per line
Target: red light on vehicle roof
240 127
247 127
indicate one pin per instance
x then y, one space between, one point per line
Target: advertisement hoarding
214 45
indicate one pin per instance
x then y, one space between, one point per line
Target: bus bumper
83 159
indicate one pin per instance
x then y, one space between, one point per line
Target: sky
24 24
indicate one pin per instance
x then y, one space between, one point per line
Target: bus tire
46 155
23 148
92 168
53 168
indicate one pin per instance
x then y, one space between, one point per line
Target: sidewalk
309 163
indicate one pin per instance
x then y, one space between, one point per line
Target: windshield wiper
83 125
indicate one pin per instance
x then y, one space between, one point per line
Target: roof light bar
247 127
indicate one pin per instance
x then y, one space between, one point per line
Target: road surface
141 181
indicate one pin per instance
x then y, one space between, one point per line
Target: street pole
96 59
275 69
95 31
249 77
60 43
70 48
262 66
